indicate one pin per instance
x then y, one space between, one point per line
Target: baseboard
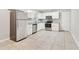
4 39
77 43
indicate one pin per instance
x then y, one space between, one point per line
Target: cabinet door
55 26
40 26
21 29
21 15
29 29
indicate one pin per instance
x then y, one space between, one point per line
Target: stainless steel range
48 25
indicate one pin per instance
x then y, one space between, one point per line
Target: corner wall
4 24
65 20
75 25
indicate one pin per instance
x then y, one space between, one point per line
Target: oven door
48 26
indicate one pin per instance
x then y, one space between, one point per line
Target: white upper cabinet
55 15
32 14
41 16
21 15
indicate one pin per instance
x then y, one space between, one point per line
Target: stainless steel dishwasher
34 28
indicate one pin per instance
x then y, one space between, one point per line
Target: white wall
75 24
65 20
4 24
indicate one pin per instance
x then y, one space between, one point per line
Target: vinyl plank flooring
43 40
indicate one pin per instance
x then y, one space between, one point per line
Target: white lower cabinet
43 25
29 29
40 26
55 26
21 29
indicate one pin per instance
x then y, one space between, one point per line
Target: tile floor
43 40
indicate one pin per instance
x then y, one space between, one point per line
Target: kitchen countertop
32 22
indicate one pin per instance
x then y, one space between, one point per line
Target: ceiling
44 10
